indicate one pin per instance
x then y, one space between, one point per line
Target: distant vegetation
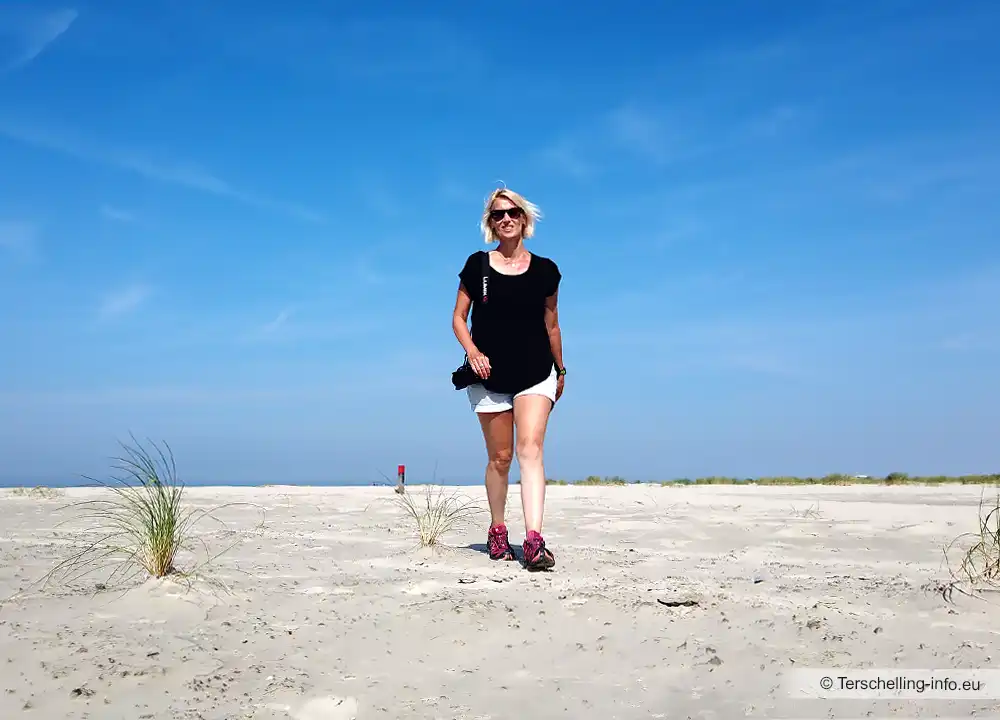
37 492
895 478
592 480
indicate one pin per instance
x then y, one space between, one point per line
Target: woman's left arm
555 336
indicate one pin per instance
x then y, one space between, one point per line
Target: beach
692 602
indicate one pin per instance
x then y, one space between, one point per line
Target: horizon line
833 479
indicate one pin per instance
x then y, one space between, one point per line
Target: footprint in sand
328 708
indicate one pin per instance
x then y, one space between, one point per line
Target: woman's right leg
498 431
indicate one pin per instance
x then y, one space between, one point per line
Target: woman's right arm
460 320
460 326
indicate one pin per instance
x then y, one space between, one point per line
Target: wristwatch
560 371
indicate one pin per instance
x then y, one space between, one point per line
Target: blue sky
238 228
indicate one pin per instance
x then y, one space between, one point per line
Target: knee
501 459
529 451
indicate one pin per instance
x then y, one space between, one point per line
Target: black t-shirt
510 328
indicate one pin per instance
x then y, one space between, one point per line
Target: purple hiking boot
498 544
536 555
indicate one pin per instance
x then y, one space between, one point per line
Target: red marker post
401 479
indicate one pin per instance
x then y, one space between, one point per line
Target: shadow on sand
482 548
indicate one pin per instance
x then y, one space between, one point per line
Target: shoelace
498 541
532 547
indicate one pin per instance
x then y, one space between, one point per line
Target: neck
510 248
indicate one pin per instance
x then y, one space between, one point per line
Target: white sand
333 614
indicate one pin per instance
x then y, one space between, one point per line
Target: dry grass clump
979 566
142 527
438 514
810 513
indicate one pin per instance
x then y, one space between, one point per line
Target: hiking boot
498 544
536 555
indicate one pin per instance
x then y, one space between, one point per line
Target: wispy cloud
117 214
779 120
643 133
757 345
187 175
411 47
19 238
33 35
462 193
565 155
967 342
904 182
295 323
865 326
409 371
366 273
123 301
286 327
271 327
426 50
635 131
379 198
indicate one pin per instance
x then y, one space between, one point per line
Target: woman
515 347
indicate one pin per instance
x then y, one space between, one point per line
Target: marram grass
438 514
142 526
979 566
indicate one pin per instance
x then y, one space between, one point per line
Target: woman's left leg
531 416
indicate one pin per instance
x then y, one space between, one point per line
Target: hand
560 384
480 364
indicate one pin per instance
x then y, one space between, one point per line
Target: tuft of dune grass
437 514
979 565
143 524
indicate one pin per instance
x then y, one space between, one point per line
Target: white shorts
484 401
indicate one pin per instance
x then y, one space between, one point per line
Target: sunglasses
514 213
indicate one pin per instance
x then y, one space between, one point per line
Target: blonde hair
532 213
